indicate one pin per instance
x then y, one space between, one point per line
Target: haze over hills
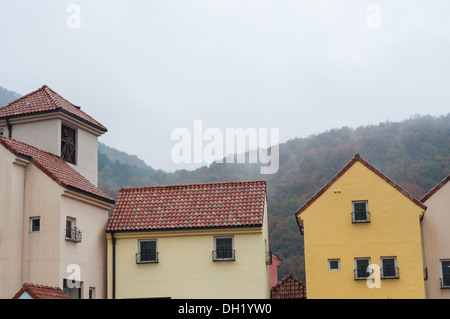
415 153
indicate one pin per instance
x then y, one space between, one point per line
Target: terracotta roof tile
289 288
55 167
41 292
224 204
46 100
435 189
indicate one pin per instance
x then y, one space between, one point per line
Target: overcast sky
145 68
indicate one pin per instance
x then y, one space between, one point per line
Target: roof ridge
358 158
437 187
58 96
191 184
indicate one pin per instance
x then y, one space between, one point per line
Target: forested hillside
414 153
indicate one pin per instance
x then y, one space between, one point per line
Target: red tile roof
46 100
55 167
41 292
435 189
289 288
358 158
226 204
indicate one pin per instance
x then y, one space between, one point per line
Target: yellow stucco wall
394 230
185 269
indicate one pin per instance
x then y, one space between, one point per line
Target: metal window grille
74 234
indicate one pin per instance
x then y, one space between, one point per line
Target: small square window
360 212
334 264
35 224
147 252
223 249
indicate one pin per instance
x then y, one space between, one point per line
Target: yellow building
362 237
189 241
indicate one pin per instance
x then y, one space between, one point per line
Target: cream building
436 241
52 215
190 241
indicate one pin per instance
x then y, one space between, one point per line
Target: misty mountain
415 153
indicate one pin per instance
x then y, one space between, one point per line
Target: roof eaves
435 189
358 158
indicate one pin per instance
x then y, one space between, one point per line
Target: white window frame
354 220
395 265
334 269
139 260
356 268
73 222
233 257
32 219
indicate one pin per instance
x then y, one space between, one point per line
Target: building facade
362 237
52 218
189 241
436 240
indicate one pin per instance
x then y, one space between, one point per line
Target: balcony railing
361 274
390 273
146 258
74 234
223 255
361 217
269 258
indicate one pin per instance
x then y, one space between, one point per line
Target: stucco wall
186 270
11 221
436 240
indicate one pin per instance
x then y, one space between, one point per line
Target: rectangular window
72 288
35 224
147 252
223 249
68 144
334 264
445 273
91 293
360 213
361 268
389 267
72 232
1 132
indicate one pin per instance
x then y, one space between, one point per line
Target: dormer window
360 213
68 146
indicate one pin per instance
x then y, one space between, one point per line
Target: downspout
113 239
9 125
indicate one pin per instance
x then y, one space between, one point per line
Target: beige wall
90 254
11 223
436 240
43 257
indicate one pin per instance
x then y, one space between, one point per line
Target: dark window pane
445 273
68 144
361 268
224 248
148 251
